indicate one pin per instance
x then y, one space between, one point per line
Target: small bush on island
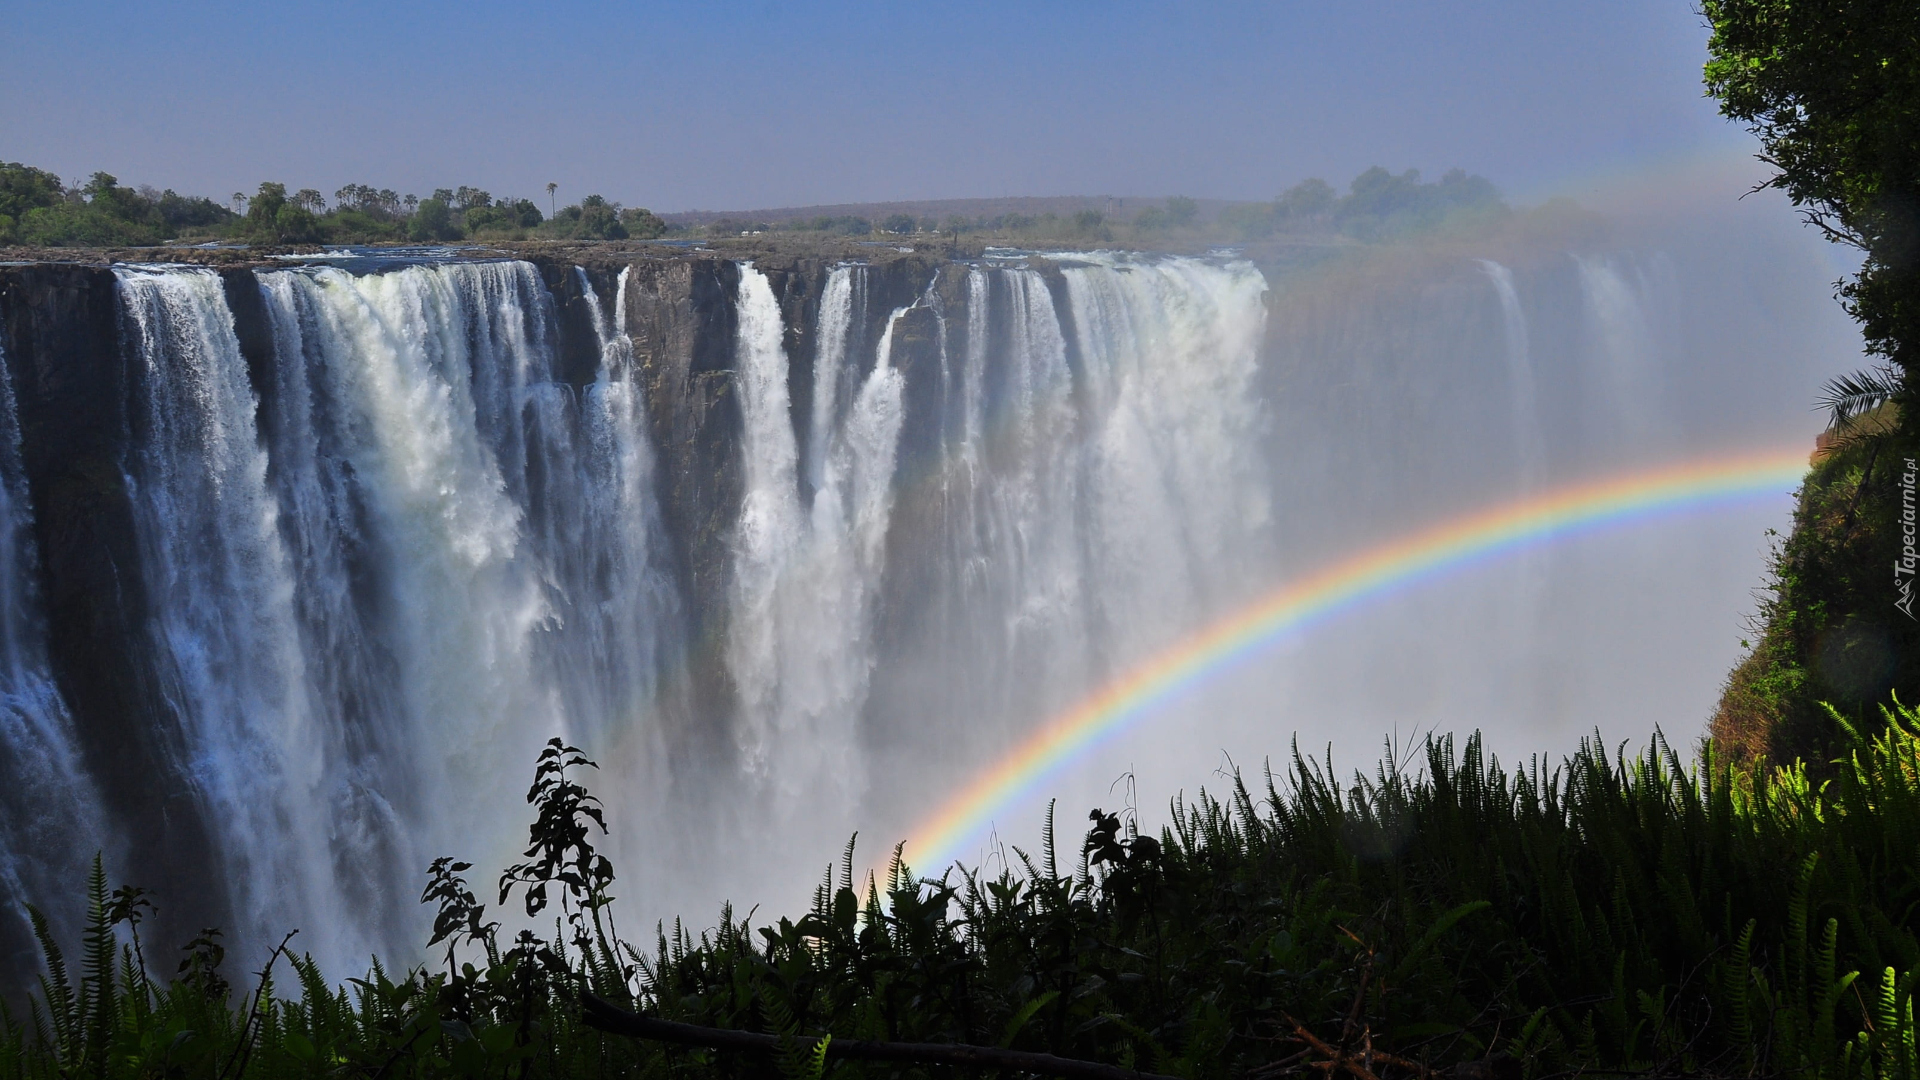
1611 915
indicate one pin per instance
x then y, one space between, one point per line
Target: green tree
642 224
296 225
24 188
1181 211
594 219
1832 88
1381 204
99 214
1310 198
433 220
508 217
263 212
599 220
898 223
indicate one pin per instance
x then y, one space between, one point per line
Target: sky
750 104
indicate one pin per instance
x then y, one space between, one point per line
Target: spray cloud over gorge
795 546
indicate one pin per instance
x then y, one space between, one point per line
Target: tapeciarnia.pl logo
1904 567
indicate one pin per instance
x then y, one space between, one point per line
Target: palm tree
551 188
1849 398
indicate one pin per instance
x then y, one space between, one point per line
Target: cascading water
228 656
1626 366
1100 491
1178 495
372 605
801 646
49 810
1529 443
624 611
398 528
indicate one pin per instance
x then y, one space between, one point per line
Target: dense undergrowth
1829 630
1610 915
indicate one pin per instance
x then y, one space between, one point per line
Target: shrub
433 220
642 224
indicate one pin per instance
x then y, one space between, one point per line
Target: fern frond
56 987
97 1000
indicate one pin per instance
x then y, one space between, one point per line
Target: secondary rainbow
1581 507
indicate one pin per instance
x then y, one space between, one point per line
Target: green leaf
1434 933
1019 1019
299 1046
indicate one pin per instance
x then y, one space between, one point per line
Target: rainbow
1570 510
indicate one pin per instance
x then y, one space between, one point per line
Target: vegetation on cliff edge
1832 90
1830 633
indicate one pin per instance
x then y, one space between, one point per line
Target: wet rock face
577 352
681 318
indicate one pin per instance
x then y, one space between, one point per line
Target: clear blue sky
749 104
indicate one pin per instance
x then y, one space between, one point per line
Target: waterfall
223 625
622 635
374 599
1529 443
1178 494
1100 491
413 371
395 529
1018 581
50 820
801 649
514 590
1625 360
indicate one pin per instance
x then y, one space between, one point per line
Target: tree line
37 209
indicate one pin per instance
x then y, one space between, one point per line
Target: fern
97 1000
63 1012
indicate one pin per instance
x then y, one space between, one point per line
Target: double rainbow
1571 510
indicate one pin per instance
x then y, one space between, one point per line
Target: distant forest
38 210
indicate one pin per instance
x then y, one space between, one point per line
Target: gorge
304 561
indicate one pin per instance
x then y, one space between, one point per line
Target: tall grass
1643 915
